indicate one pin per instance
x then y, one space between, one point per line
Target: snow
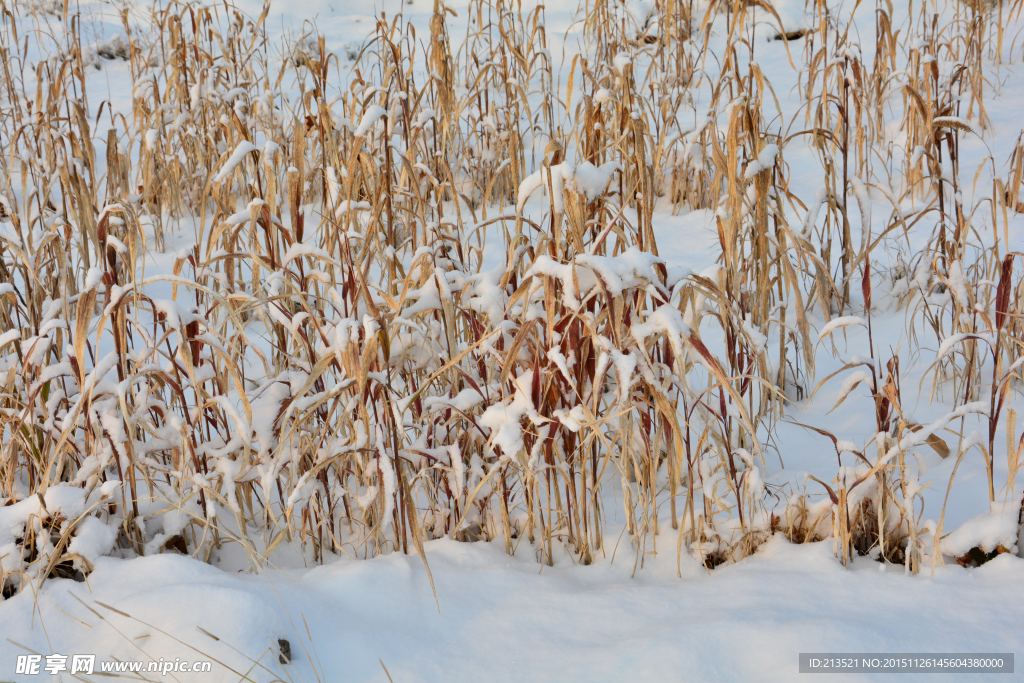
951 341
668 320
836 323
370 117
503 418
622 61
465 400
593 180
765 160
555 177
93 539
234 160
987 532
503 619
9 336
628 269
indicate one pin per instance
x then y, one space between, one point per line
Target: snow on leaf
243 148
836 323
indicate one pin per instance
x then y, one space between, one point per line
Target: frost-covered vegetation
268 299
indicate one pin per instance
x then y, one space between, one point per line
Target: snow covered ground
486 615
506 618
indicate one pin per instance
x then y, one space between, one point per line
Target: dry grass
331 369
